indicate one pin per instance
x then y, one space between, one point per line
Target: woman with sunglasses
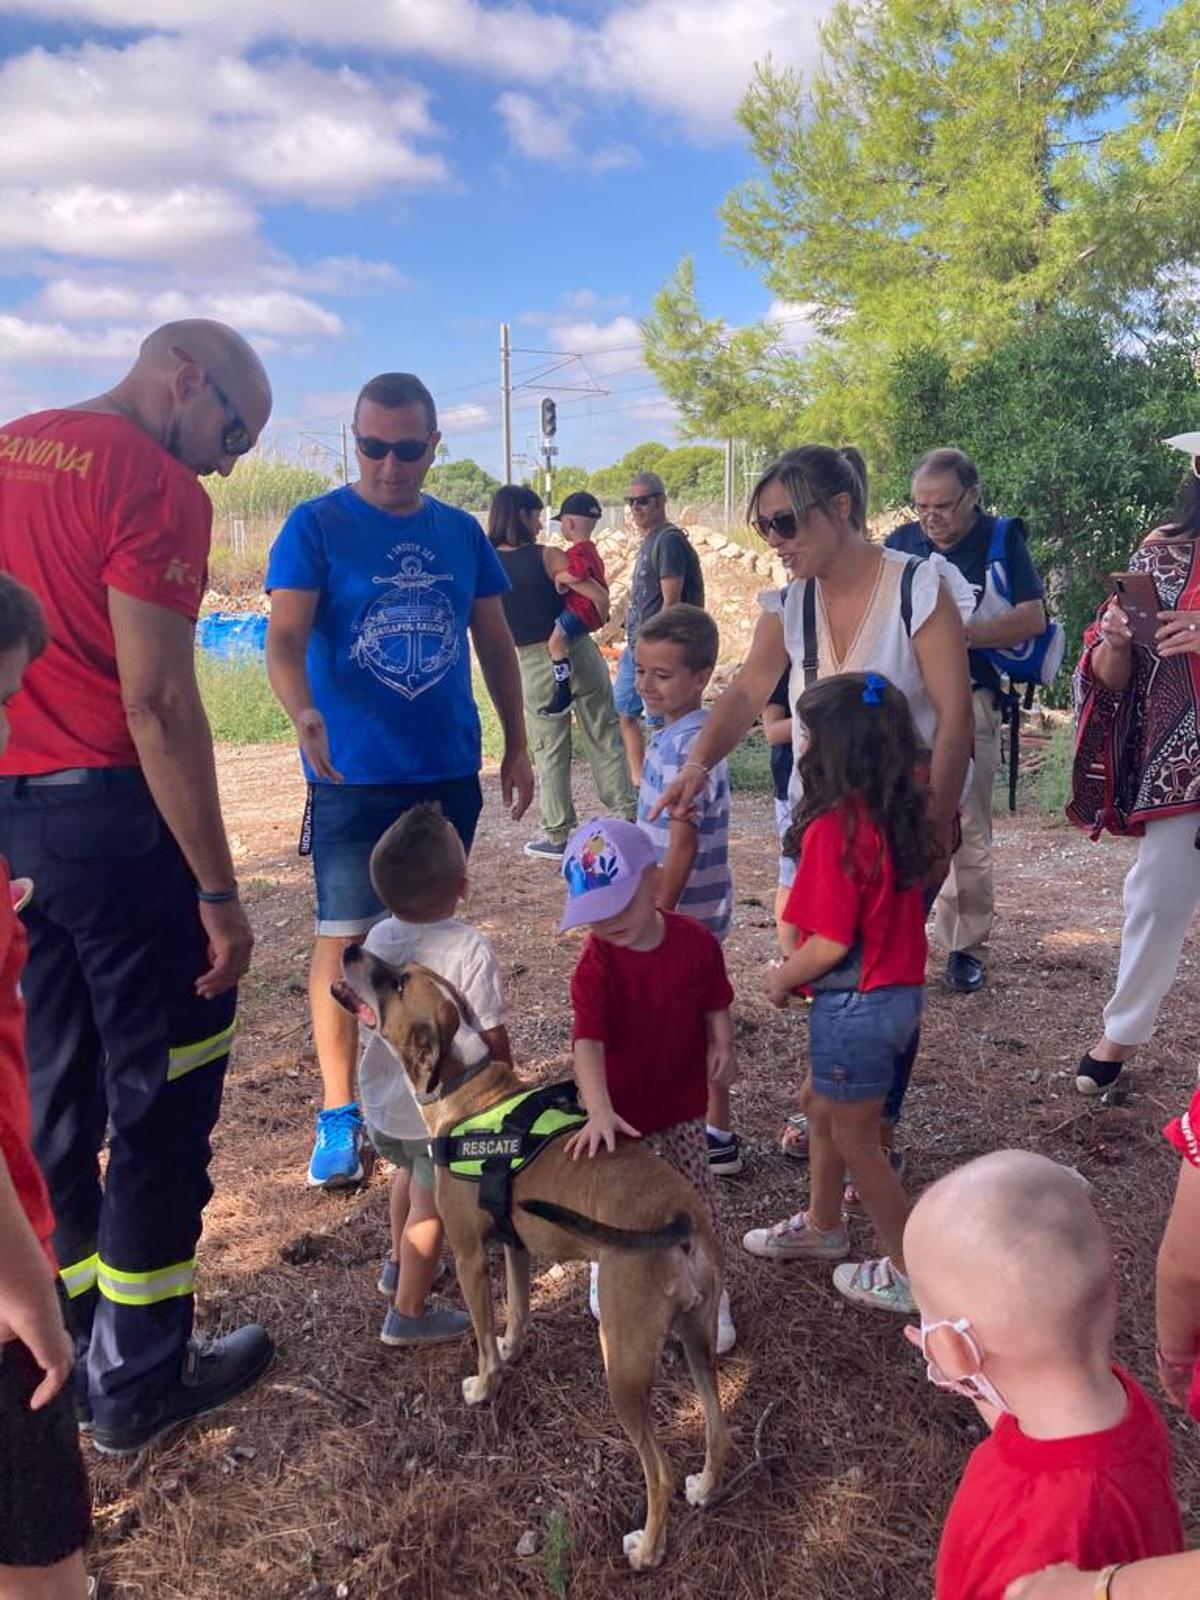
849 606
531 605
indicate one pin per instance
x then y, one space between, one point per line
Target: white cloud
173 110
465 418
607 347
273 311
535 131
796 320
192 222
22 341
690 59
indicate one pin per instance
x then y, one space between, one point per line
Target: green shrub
241 705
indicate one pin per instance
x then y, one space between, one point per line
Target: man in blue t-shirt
375 591
945 496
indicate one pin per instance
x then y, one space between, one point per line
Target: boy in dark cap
581 614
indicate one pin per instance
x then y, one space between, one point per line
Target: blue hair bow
873 689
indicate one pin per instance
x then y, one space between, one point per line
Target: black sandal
1094 1077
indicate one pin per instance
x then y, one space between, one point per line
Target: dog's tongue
353 1002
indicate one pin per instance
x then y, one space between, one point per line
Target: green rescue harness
491 1147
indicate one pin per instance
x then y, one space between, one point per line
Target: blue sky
373 185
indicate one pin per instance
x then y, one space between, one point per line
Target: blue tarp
232 635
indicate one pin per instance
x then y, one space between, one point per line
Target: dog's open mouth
354 1003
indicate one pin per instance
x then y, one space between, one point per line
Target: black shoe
964 974
724 1156
1094 1077
212 1373
559 703
546 850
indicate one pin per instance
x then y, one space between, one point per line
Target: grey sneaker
875 1283
546 850
795 1239
437 1326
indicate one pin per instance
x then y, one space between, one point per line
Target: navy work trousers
118 1040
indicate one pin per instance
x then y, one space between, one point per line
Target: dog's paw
697 1488
476 1391
509 1349
639 1558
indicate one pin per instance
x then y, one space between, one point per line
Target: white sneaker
594 1290
795 1239
726 1332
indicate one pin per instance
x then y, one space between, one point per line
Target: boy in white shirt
419 871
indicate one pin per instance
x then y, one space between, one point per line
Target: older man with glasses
378 591
109 805
951 521
666 570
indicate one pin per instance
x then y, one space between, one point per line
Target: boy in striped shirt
676 652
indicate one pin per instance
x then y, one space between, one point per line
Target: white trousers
1161 892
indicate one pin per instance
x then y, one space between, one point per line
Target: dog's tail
677 1231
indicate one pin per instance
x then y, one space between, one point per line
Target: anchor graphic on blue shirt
408 637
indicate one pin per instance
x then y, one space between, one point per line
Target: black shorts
45 1509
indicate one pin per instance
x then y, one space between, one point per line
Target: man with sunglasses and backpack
992 555
378 592
109 807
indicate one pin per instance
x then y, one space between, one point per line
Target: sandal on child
793 1141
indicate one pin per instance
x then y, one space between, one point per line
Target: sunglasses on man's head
783 524
402 449
640 500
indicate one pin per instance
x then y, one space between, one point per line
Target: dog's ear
423 1054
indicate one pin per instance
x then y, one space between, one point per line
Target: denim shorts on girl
856 1038
344 822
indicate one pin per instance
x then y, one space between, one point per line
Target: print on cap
603 864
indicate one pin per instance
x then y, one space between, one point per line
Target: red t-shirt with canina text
845 890
90 502
1024 1504
647 1008
15 1116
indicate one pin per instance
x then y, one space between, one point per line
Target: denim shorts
855 1039
625 696
348 819
571 625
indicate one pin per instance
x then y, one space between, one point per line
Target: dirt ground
356 1471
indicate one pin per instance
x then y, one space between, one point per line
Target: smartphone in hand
1138 599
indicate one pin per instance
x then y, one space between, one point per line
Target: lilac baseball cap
603 864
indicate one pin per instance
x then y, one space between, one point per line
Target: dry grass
355 1470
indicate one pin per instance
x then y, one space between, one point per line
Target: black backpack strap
1011 704
906 589
808 629
495 1196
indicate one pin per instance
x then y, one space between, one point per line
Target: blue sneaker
337 1155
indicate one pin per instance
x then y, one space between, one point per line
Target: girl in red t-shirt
863 844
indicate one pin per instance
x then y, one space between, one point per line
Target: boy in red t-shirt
652 1024
1013 1275
44 1510
584 583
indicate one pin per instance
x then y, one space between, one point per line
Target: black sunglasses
402 449
641 499
237 438
783 524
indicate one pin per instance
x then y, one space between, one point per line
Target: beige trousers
964 908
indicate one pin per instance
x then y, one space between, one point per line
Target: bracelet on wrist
216 897
699 766
1104 1589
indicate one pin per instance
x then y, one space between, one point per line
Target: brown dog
660 1262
